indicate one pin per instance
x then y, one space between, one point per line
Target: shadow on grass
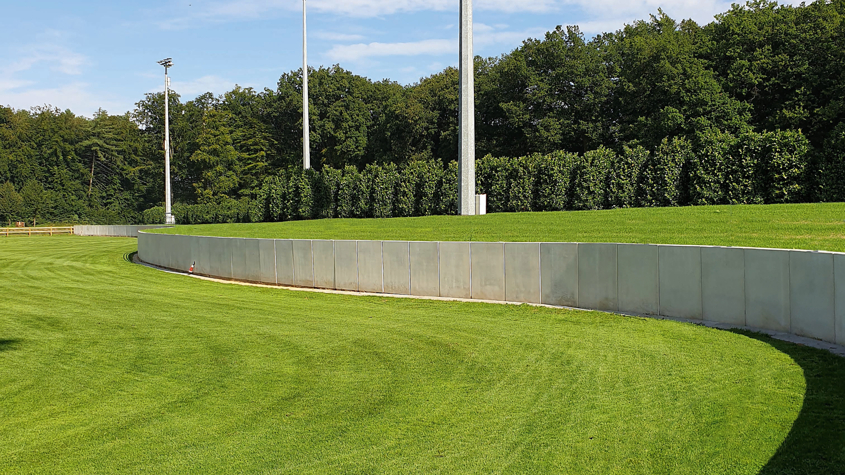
816 443
8 345
130 257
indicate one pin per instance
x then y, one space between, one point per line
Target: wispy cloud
240 10
213 84
361 51
77 97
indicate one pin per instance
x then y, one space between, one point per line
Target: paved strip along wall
112 231
798 292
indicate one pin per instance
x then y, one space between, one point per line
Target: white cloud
75 96
361 51
213 84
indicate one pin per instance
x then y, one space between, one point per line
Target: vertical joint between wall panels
409 268
470 270
659 311
701 280
382 266
313 274
439 277
275 267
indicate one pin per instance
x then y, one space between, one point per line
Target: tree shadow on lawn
8 345
816 443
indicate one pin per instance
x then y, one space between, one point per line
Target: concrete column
466 159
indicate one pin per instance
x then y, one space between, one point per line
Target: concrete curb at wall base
776 290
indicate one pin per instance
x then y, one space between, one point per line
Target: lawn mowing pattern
108 366
801 226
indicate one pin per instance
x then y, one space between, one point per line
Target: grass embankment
107 367
802 226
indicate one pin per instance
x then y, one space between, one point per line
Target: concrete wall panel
397 275
723 285
202 255
767 289
811 294
597 277
246 260
324 271
284 262
559 274
267 256
488 270
455 270
680 282
220 257
425 268
522 272
638 279
346 265
370 267
145 247
303 263
839 279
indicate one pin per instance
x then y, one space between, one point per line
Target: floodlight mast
306 128
466 161
168 214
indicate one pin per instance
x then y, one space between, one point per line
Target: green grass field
107 366
804 226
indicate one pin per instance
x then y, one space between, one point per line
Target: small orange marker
191 270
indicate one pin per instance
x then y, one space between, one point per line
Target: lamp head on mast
167 63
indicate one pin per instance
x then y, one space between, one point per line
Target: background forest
747 109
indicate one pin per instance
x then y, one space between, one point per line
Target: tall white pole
168 215
466 160
306 128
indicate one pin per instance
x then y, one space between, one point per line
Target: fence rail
36 231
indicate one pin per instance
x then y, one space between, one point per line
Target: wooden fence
36 231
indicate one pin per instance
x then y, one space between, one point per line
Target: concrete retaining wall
111 231
798 292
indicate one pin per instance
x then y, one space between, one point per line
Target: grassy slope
106 366
805 226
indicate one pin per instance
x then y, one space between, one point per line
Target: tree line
755 97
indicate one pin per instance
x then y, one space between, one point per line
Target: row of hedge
715 168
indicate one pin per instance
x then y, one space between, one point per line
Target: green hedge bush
714 168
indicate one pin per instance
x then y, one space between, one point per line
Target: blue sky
85 55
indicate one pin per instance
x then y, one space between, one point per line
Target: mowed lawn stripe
107 366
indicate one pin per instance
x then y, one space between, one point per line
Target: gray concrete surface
637 277
559 274
680 281
246 260
267 261
811 294
597 289
723 284
346 265
324 264
839 280
303 263
522 272
767 289
284 262
370 267
488 270
424 258
397 267
455 277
